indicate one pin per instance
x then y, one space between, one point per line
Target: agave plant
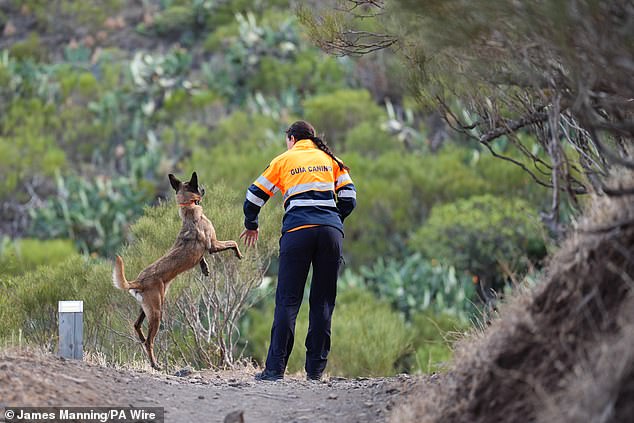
242 58
401 124
96 213
26 78
156 76
417 284
288 103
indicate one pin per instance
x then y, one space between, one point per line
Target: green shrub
35 295
369 140
368 338
396 191
182 104
54 16
389 205
336 113
448 176
32 301
376 338
173 20
182 137
516 180
79 135
24 255
87 12
29 48
83 83
306 71
224 13
222 37
434 335
277 75
235 154
28 149
479 233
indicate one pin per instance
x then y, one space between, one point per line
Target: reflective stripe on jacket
315 190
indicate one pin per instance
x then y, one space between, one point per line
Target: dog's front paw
204 268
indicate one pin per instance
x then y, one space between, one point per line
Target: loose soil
30 378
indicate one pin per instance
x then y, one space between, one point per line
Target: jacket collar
304 145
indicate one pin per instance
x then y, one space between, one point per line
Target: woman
318 195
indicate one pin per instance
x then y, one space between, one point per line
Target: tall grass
21 256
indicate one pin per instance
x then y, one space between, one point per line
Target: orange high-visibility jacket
316 190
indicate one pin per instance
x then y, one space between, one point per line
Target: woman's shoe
313 377
268 376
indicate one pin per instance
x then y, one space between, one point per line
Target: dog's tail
118 276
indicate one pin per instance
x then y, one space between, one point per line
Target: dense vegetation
92 121
499 69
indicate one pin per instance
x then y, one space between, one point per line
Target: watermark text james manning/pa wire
83 414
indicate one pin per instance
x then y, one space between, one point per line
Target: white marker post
71 329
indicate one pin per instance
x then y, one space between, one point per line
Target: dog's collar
187 204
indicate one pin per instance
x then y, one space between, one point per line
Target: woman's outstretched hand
250 237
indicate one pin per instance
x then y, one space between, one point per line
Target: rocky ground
36 379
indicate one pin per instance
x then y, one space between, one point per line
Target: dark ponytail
323 147
302 130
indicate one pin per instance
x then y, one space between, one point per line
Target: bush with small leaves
26 254
483 235
434 336
334 114
28 149
29 49
173 21
370 140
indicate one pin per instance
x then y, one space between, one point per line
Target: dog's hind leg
204 267
217 246
137 325
152 303
154 323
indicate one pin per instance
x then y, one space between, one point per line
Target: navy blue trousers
320 246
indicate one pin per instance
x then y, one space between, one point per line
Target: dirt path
35 379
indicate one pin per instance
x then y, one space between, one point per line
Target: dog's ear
193 182
176 184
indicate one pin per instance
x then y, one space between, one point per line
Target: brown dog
196 236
